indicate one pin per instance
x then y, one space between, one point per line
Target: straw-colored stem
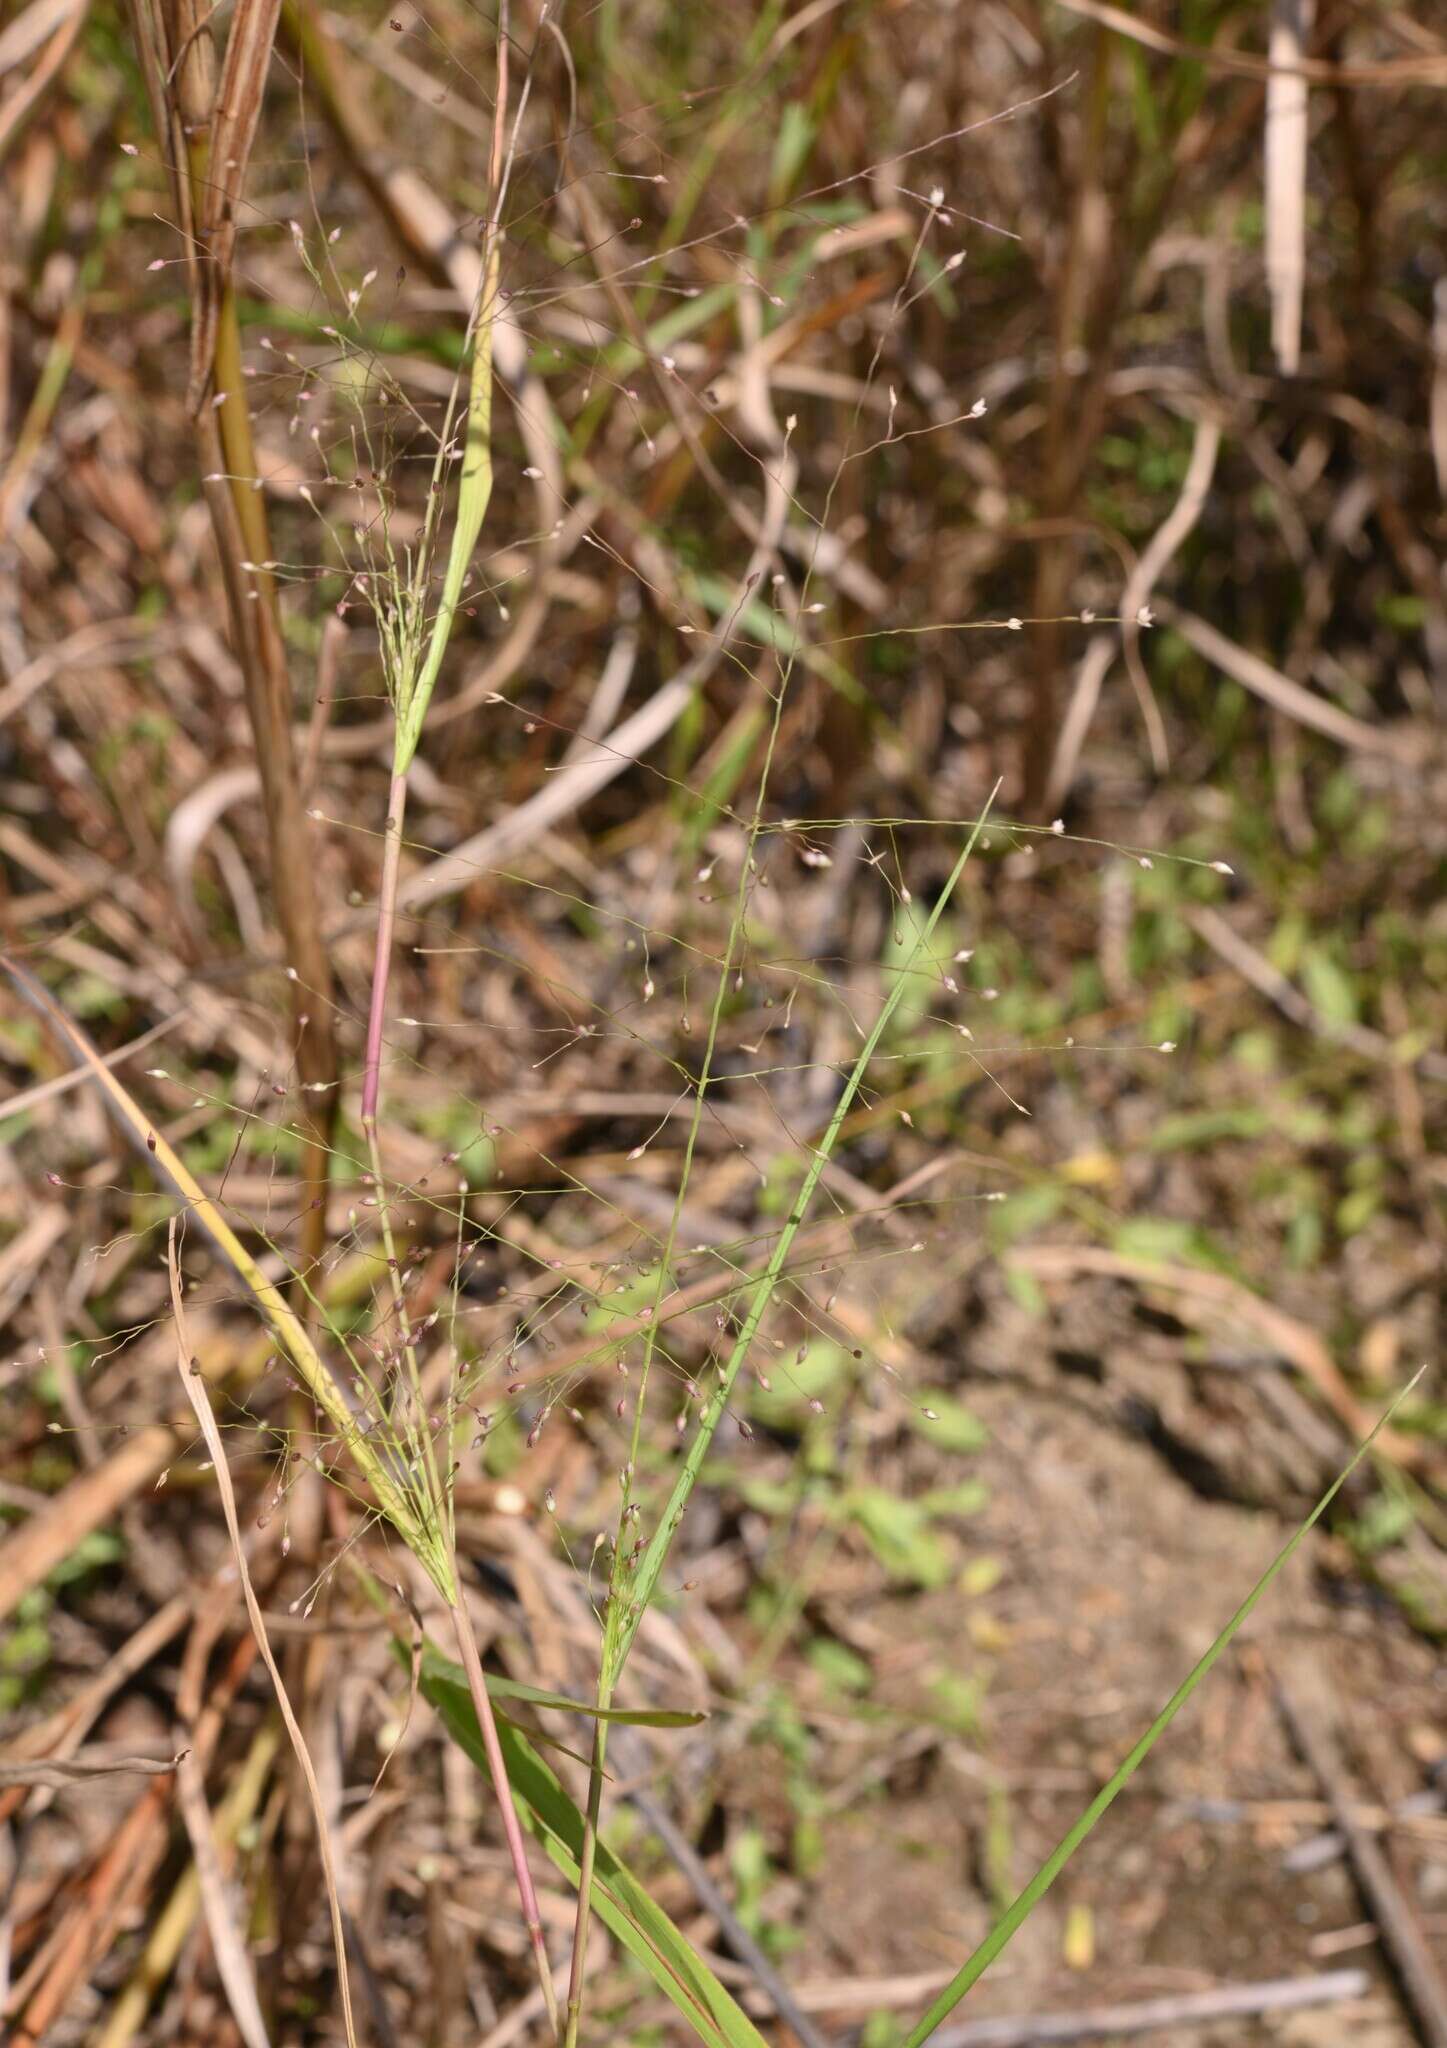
382 959
411 1428
238 513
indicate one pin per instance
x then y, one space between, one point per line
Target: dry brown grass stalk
207 132
196 1393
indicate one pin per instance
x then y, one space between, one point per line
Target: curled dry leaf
58 1774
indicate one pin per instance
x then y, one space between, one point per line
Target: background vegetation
532 548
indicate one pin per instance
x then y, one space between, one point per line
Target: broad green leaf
1207 1127
1025 1290
626 1301
1356 1210
899 1533
795 1382
965 1498
1330 988
838 1665
1165 1241
630 1915
1008 1221
944 1421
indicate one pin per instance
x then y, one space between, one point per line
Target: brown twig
1152 2015
59 1774
1268 981
1257 675
1401 1932
1425 70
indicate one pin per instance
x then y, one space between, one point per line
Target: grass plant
387 1412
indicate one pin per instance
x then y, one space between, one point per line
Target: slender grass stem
437 1488
586 1862
609 1661
512 1826
382 960
261 652
411 1426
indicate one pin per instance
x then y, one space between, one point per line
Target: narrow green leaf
622 1628
172 1173
1015 1917
474 490
548 1742
648 1934
443 1672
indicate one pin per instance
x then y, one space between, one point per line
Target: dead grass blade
20 107
1269 981
177 1917
233 132
1258 676
1095 665
1311 1713
59 1774
182 52
287 1326
27 1252
207 137
1300 1346
113 1888
60 1734
23 36
238 516
196 1394
31 1552
233 1964
1285 152
1428 69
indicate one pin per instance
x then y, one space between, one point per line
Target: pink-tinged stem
585 1874
382 960
512 1827
466 1641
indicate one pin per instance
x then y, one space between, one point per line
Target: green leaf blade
1011 1921
474 493
630 1915
444 1673
622 1628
